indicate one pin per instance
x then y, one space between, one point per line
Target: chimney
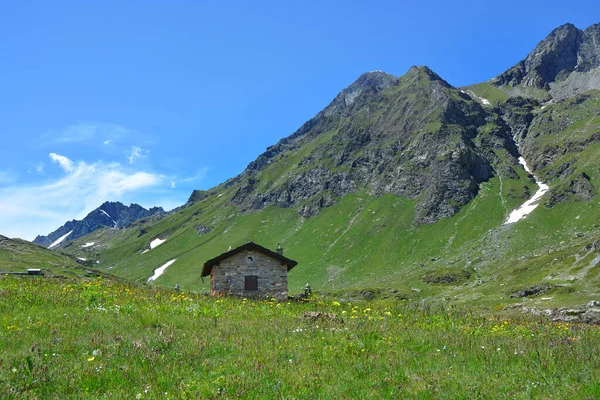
279 249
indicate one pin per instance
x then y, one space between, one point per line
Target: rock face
586 313
414 136
109 214
554 143
197 195
565 50
368 84
553 109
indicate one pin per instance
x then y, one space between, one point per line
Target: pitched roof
208 266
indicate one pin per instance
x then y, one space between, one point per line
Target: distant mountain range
109 214
405 183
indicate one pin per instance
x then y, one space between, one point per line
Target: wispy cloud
39 209
63 161
189 180
6 177
37 167
199 176
135 153
87 131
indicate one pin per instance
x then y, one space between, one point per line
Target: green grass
489 92
17 255
112 340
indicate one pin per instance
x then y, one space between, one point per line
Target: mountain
387 157
414 136
109 214
565 63
403 186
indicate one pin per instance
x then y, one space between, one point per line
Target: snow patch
531 204
59 240
105 213
114 222
82 259
88 244
159 271
145 251
156 242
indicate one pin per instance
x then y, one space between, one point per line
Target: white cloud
172 185
135 153
87 131
63 161
39 209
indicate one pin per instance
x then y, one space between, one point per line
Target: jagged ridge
565 50
109 214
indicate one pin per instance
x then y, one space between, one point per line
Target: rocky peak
109 214
346 103
424 72
565 50
410 136
377 80
589 52
369 83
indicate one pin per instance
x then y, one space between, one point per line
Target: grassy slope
489 92
498 94
366 242
18 255
103 339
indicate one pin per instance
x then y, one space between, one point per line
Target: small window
251 282
250 259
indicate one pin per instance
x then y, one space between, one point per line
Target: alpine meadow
447 242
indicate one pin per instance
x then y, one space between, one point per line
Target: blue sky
144 101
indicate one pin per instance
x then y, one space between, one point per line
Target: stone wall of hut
229 277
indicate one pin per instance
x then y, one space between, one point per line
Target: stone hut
249 271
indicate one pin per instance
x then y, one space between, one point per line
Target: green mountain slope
401 185
17 255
